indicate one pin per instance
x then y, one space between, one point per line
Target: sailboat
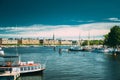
77 47
87 48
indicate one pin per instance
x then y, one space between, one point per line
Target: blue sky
67 19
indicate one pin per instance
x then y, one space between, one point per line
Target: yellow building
29 41
5 41
50 42
66 42
56 42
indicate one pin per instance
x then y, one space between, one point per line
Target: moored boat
13 63
75 48
103 50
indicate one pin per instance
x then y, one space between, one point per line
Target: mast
88 42
79 41
19 58
16 42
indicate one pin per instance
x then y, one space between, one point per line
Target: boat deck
10 76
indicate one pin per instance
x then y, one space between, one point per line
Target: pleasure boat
103 50
75 48
12 63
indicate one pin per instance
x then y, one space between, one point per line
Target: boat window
28 68
7 69
22 68
35 67
10 69
25 68
32 68
39 67
2 69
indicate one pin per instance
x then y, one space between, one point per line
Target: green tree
112 39
105 39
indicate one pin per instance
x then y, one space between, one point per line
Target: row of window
30 68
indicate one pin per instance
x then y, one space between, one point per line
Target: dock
9 76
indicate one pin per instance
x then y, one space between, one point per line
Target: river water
69 65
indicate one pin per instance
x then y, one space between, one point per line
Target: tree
112 39
105 39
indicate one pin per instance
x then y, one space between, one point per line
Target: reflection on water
35 77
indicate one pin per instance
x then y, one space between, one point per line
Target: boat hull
75 50
39 72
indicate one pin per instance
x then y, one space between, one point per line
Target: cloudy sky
66 19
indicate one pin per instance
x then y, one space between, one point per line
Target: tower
53 37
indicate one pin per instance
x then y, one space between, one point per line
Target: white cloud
114 19
84 21
60 31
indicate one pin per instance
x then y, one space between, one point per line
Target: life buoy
8 64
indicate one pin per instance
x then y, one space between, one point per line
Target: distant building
32 41
50 42
66 42
8 41
27 41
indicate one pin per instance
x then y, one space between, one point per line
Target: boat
13 63
75 48
103 50
86 49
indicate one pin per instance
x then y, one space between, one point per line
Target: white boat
12 63
75 48
103 50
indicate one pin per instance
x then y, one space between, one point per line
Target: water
70 66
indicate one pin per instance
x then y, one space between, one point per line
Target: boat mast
16 42
19 59
79 42
88 42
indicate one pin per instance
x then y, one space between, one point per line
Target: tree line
112 39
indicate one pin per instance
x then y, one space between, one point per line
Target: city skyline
66 19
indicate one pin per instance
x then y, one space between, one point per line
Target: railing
33 68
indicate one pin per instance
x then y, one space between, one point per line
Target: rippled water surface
70 65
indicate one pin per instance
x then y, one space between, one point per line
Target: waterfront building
66 42
51 42
27 41
34 41
8 41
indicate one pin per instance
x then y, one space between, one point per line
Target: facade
27 41
66 42
31 41
9 41
50 42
